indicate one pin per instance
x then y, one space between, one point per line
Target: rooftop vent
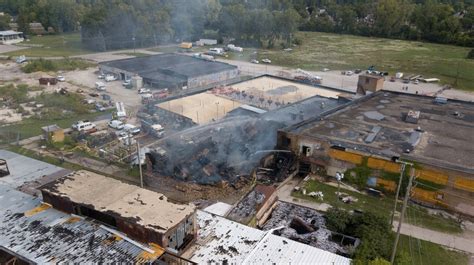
412 116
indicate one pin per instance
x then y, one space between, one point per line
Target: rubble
304 225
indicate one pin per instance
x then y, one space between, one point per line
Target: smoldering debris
219 152
304 225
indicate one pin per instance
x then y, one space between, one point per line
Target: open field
52 46
201 108
32 127
415 214
346 52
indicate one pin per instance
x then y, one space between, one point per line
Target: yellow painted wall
427 196
433 176
388 185
376 163
345 156
464 184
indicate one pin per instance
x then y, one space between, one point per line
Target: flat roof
220 239
376 124
202 108
10 32
148 208
43 235
170 64
25 170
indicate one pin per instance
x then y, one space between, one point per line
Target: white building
11 37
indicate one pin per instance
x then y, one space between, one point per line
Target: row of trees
110 24
430 20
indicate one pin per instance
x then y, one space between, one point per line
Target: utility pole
139 164
404 208
402 170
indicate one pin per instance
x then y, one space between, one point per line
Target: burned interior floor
307 226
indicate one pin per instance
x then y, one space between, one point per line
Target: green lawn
52 46
32 127
345 52
415 214
430 253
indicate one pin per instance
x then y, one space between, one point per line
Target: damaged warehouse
141 214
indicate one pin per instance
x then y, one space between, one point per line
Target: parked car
357 71
84 126
100 86
131 129
416 82
392 79
266 61
325 69
99 107
109 78
255 61
127 83
94 95
349 73
115 124
61 78
89 101
144 91
101 76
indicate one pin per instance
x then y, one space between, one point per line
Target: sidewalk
448 240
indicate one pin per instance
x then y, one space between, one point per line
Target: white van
83 126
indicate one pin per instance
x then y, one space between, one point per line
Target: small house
53 133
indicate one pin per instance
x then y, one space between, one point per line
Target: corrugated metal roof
220 240
42 234
219 208
24 169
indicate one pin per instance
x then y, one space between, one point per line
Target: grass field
32 127
345 52
53 46
430 253
415 215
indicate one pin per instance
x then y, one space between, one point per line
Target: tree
5 21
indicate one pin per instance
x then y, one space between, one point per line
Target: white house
10 37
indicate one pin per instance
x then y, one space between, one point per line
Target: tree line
440 21
112 24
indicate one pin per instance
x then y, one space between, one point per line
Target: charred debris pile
221 152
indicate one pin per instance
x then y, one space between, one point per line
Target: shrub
470 55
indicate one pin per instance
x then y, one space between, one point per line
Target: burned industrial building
228 149
377 130
308 226
141 214
172 71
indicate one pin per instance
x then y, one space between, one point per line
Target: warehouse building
11 37
141 214
172 71
377 130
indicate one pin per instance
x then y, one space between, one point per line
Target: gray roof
46 235
51 128
25 170
175 66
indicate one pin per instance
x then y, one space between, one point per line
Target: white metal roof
219 208
9 32
44 235
24 169
220 240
